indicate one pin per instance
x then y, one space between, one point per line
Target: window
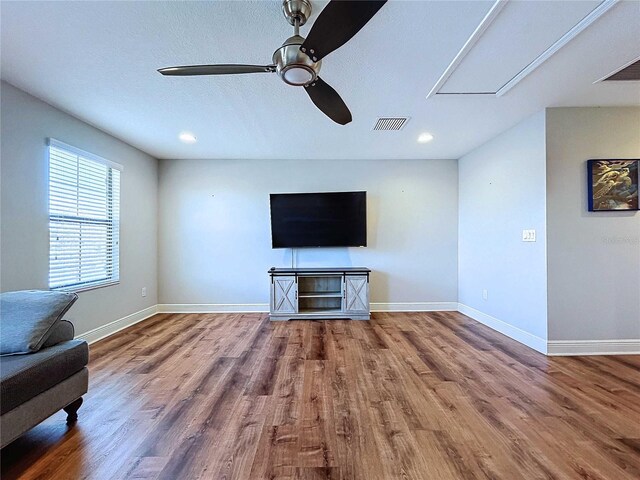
84 219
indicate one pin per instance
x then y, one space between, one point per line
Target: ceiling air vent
630 72
390 123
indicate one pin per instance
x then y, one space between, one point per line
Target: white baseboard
213 307
415 307
264 307
594 347
528 339
553 347
112 327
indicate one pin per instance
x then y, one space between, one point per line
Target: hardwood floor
404 396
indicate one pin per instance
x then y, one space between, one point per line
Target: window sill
85 288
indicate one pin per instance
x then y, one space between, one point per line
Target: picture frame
612 184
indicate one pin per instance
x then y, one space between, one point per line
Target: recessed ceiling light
187 137
425 137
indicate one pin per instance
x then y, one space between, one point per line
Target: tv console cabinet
319 293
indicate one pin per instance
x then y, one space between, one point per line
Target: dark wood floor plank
403 396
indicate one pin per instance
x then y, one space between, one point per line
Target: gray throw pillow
27 317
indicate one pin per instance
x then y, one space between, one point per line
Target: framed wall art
612 185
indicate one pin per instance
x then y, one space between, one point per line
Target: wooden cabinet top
319 270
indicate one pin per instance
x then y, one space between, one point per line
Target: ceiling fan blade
338 22
328 101
222 69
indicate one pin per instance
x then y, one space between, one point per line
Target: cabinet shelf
320 310
320 294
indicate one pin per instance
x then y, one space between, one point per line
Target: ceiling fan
297 62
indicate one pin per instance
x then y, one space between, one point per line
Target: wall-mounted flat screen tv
334 219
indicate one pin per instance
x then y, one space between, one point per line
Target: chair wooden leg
72 411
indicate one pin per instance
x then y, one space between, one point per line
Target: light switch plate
528 235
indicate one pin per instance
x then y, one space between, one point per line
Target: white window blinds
84 219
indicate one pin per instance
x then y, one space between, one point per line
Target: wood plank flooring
403 396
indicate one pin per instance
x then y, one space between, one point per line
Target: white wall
593 257
215 243
24 238
502 192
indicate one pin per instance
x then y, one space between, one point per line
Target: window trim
85 288
52 142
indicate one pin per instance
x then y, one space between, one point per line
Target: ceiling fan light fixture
293 66
298 75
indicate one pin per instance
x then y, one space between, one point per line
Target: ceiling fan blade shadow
328 101
338 22
222 69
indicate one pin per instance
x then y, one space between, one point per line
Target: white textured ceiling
521 32
98 61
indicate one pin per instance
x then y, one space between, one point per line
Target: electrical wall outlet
485 294
144 291
528 235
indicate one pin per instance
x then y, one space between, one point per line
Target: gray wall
593 257
439 230
24 238
215 244
502 192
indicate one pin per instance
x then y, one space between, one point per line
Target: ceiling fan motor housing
294 66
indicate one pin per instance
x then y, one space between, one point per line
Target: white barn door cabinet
317 293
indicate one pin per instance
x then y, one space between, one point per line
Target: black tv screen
337 219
